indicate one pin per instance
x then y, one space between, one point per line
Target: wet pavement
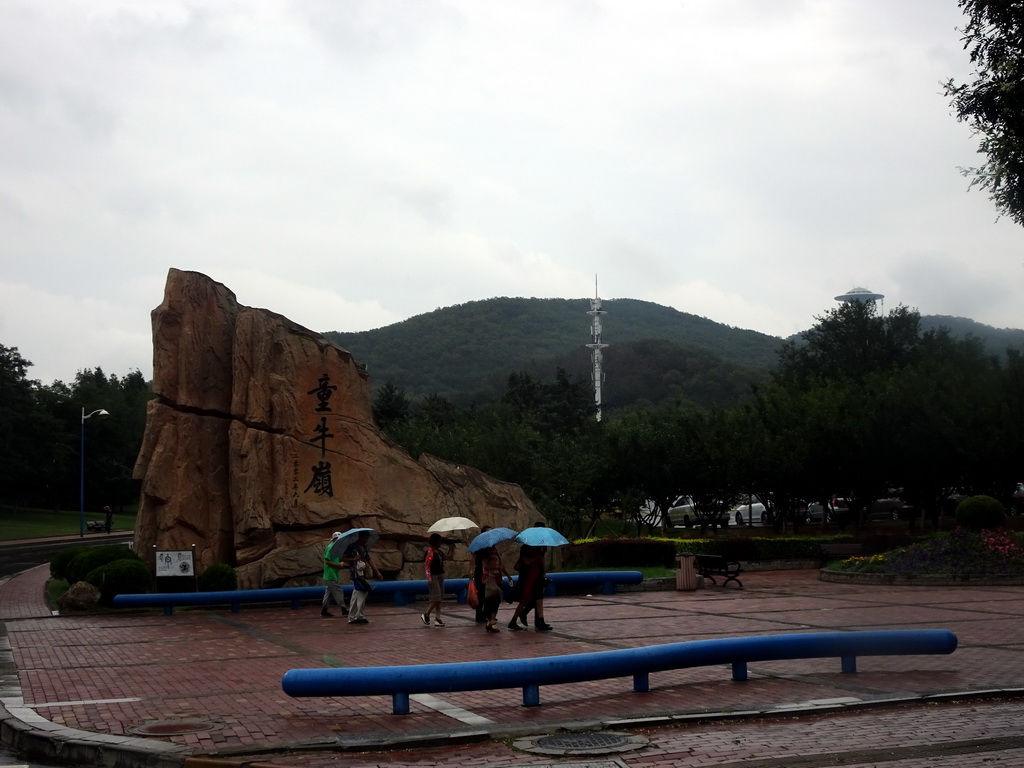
141 688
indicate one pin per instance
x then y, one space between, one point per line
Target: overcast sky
352 164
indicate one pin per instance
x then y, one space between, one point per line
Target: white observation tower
862 295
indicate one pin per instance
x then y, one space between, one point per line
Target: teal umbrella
490 538
348 538
539 536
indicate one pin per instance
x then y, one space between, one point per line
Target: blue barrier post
401 592
531 695
530 674
400 703
739 671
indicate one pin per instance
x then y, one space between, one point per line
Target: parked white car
683 516
836 505
752 512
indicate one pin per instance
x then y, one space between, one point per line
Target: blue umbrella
338 546
539 536
490 538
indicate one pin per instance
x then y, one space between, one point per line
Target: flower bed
947 558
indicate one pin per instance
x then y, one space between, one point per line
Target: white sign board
174 563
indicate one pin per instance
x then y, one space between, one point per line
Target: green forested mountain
996 339
466 352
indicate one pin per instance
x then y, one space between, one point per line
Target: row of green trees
42 427
865 403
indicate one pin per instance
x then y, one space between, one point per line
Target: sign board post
174 568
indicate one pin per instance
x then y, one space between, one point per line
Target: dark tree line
863 404
42 435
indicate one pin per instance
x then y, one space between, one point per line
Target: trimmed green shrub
94 557
120 577
219 577
59 564
633 553
758 548
619 553
978 513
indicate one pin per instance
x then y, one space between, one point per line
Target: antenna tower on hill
595 346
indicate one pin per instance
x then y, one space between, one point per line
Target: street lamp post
81 473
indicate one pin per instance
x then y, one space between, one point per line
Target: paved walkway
157 690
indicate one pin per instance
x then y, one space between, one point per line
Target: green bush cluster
219 577
60 562
786 547
981 513
93 557
626 553
756 548
113 569
118 577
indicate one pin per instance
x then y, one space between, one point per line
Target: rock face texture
260 442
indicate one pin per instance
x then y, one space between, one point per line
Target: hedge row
620 553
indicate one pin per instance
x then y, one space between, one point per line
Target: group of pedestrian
491 579
357 560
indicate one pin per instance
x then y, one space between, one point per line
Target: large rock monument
260 442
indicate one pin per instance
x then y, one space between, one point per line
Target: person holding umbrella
433 564
493 574
488 572
531 587
532 573
478 579
332 581
359 552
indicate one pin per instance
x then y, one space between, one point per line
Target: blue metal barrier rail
400 592
530 674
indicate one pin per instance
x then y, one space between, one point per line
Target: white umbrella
448 524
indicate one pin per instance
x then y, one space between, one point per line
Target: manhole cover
172 727
578 741
581 743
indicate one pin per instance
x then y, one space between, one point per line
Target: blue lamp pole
81 473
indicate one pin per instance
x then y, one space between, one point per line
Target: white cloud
351 165
62 335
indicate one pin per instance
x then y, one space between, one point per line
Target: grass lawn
54 590
22 523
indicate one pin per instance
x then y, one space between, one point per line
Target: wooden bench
710 566
95 525
835 550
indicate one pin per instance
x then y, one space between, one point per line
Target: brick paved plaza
120 675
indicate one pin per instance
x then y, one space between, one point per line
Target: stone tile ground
112 673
